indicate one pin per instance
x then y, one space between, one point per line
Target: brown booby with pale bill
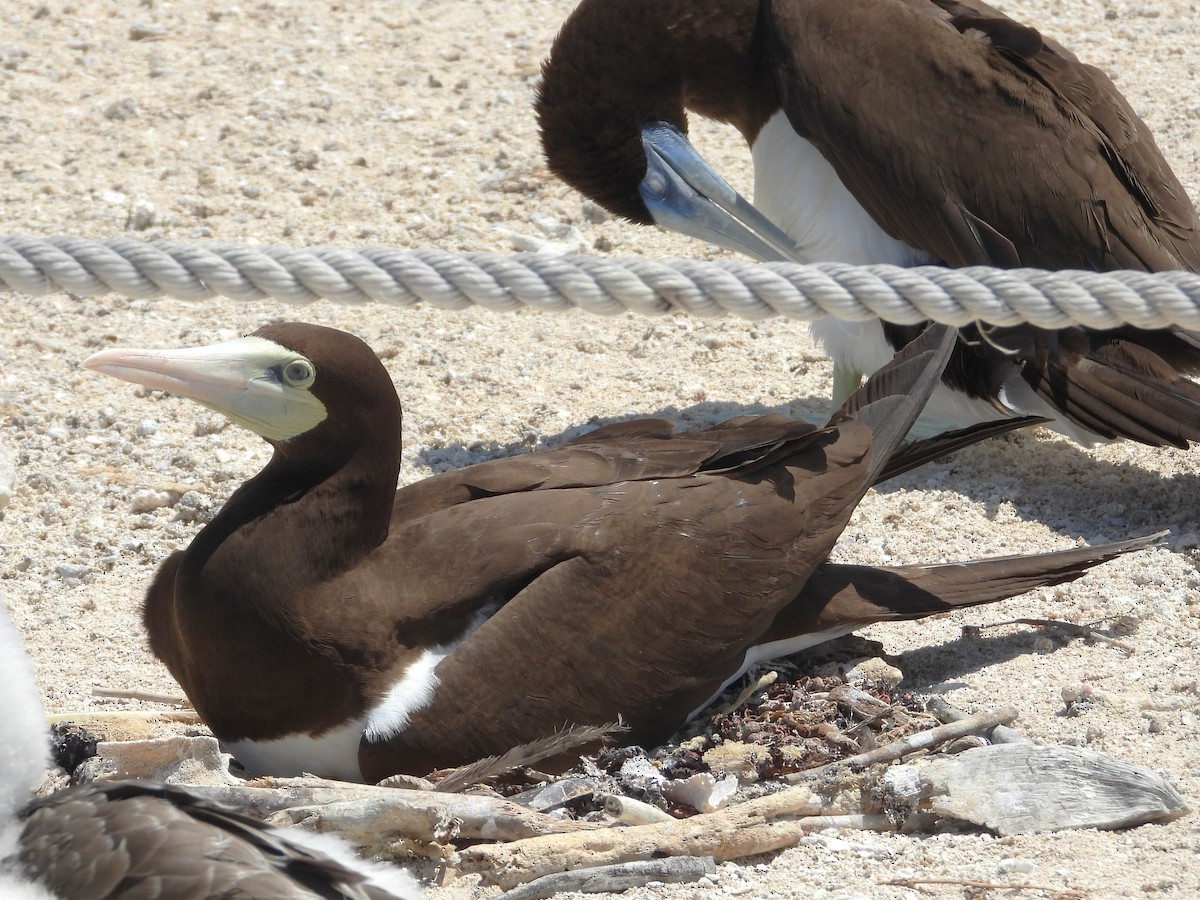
904 132
325 622
126 839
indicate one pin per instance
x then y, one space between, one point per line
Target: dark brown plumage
631 573
965 137
125 839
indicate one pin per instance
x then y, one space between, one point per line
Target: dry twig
526 755
946 714
188 716
747 829
149 697
362 812
606 879
766 680
1055 893
921 740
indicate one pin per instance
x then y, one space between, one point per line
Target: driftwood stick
946 713
363 812
126 715
118 694
731 833
622 877
922 740
523 755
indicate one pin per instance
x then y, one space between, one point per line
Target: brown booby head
631 574
904 132
139 839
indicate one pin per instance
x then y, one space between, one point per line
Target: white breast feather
798 190
413 692
415 689
333 754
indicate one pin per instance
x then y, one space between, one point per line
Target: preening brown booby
903 132
126 839
324 622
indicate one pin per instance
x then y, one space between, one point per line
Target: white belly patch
797 189
333 754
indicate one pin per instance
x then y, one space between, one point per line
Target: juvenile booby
325 622
904 132
125 839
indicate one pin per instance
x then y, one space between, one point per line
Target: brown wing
506 539
126 839
1119 383
840 595
697 568
622 451
975 139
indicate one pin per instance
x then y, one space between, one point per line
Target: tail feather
842 598
1120 383
891 399
916 454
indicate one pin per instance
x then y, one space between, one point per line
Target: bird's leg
845 383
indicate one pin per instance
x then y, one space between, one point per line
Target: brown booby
904 132
325 622
140 839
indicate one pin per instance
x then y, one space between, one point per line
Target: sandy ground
407 124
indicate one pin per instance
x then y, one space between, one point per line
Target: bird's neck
236 612
307 521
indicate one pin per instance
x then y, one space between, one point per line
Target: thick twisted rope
34 266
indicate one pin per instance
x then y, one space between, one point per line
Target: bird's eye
299 373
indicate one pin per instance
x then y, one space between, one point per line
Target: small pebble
142 215
1043 645
147 427
875 671
1074 710
120 110
72 571
143 31
8 476
595 213
193 507
1017 866
146 500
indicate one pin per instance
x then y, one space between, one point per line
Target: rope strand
197 272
